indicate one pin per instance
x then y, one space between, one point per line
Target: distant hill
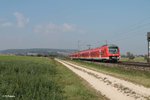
35 51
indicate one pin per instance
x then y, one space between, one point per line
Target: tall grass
28 78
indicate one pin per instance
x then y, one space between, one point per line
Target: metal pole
78 45
148 40
148 52
89 46
78 48
106 42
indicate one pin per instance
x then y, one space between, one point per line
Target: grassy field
136 59
135 76
32 78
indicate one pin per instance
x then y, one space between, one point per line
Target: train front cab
113 53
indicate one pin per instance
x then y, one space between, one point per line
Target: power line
140 27
130 32
135 25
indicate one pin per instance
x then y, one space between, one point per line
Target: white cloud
6 24
68 27
22 21
54 28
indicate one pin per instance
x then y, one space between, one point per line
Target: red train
104 53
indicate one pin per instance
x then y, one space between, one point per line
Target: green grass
28 78
135 76
136 59
33 78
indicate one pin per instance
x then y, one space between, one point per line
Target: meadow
136 59
37 78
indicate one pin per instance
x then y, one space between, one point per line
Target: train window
113 50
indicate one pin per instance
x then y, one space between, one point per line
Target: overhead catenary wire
131 31
128 33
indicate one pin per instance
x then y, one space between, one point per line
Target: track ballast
126 65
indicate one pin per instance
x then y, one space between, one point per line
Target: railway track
139 64
127 65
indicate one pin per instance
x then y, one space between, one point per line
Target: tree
130 56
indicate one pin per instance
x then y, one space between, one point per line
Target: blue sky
62 23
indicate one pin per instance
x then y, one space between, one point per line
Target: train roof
110 45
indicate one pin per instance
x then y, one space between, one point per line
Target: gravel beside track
113 88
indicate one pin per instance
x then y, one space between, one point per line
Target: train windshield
113 50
